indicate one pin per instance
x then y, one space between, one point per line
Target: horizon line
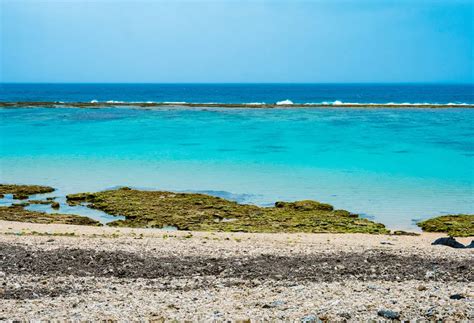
249 83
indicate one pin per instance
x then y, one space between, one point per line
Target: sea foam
284 102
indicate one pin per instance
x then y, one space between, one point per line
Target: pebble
421 288
388 314
273 304
430 274
457 296
310 319
194 296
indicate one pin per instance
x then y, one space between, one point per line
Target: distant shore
283 104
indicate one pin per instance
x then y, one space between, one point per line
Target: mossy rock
22 192
200 212
404 233
459 225
44 202
305 205
18 213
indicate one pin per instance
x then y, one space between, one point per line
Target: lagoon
391 165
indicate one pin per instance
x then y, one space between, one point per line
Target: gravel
150 275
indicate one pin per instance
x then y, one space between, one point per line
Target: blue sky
236 41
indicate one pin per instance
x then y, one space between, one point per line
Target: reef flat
18 213
22 192
200 212
459 225
108 104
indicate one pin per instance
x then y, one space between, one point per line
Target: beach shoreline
84 272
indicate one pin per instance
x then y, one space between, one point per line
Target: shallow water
392 165
83 210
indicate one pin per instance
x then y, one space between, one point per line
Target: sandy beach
53 271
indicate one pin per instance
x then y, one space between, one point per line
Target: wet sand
79 272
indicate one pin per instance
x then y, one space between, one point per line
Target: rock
310 319
457 296
471 245
305 205
449 241
430 274
345 315
55 205
421 288
388 314
218 313
404 233
430 311
273 304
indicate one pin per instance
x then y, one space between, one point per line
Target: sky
237 41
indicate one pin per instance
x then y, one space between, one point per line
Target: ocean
392 165
242 93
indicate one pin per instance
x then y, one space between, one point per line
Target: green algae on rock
200 212
18 213
459 225
22 192
44 202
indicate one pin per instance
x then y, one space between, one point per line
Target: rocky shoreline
91 273
202 212
232 262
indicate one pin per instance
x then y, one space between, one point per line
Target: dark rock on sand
421 288
388 314
448 241
457 296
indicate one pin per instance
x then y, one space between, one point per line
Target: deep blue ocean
241 93
394 165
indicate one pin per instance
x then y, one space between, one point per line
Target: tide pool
391 165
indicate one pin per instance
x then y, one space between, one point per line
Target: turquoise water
391 165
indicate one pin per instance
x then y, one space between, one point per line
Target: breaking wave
283 103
